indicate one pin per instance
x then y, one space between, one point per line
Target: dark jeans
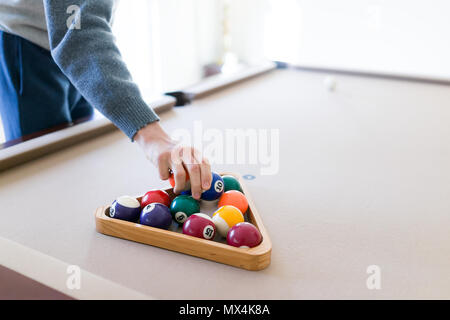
34 93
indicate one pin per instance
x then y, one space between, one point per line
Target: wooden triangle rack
256 258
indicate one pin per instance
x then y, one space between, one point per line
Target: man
58 58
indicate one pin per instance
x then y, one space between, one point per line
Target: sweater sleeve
86 53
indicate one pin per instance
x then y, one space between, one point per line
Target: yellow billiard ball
226 217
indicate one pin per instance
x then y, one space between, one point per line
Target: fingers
164 167
187 161
179 174
205 171
193 167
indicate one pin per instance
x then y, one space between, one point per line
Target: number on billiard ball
216 189
208 232
200 225
183 207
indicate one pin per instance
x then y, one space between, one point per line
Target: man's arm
90 59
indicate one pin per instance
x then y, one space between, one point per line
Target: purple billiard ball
156 215
216 189
125 208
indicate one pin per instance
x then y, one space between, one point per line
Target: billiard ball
330 83
244 235
156 215
125 208
200 225
234 198
182 207
153 196
216 189
231 183
187 184
226 217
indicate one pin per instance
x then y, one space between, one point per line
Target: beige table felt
364 179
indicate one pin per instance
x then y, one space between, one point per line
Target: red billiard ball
155 196
200 225
244 235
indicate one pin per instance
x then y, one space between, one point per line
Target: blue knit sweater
89 57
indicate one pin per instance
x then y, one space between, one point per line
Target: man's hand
167 156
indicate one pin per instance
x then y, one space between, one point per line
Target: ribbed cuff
131 114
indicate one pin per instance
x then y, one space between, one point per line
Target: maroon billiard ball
200 225
155 196
244 235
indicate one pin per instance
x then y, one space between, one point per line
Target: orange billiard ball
187 185
234 198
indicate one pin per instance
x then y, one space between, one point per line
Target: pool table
363 180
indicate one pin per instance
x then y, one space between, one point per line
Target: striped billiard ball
216 189
125 208
225 218
200 225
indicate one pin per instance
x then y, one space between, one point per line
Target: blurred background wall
177 38
170 44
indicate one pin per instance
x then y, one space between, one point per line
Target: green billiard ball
182 207
231 183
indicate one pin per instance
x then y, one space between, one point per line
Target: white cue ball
330 83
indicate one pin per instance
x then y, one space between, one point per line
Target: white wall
408 37
166 42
